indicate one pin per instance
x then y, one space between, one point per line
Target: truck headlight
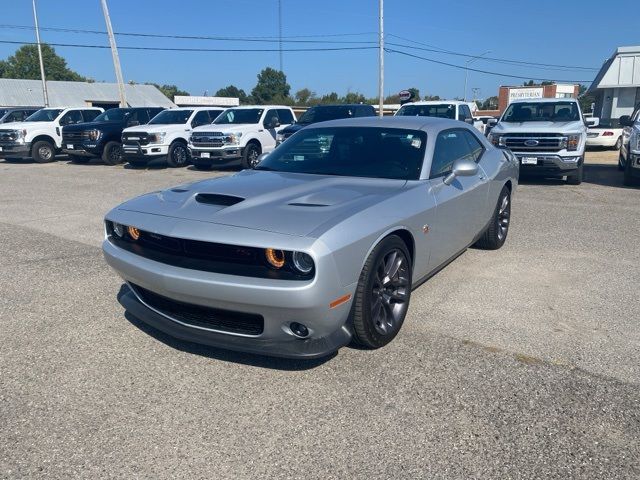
19 135
279 138
497 140
94 135
233 138
157 137
635 144
573 141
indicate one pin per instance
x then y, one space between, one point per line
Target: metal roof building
17 92
617 85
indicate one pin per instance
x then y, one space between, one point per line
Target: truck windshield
239 115
444 110
541 112
324 113
113 115
44 115
372 152
171 117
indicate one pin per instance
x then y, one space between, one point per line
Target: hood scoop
217 199
304 204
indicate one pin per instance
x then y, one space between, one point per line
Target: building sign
520 93
193 101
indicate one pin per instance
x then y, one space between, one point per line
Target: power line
497 74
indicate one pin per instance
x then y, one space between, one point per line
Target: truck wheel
496 233
576 177
382 295
178 155
250 155
629 181
79 159
43 152
620 162
112 153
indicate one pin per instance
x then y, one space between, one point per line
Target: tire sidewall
246 163
106 156
36 153
170 160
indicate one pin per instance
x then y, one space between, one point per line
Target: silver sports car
321 244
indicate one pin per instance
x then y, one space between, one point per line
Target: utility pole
466 70
45 93
114 54
381 62
280 32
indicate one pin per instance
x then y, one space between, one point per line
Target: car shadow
250 359
604 174
221 168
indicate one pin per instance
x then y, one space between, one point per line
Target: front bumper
279 302
548 164
15 150
92 150
144 152
215 156
601 141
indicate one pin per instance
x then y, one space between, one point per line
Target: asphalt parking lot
518 363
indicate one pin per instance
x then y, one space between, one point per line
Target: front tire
382 295
496 233
250 155
620 162
43 152
112 153
178 155
576 177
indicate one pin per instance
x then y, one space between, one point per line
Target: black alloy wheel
496 233
112 153
251 154
178 155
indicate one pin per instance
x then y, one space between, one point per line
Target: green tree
304 96
490 103
272 87
233 91
330 98
25 64
432 97
585 101
354 97
415 92
3 68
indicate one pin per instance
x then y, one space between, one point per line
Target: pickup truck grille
207 139
135 138
538 142
74 137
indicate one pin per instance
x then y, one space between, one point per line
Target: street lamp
466 70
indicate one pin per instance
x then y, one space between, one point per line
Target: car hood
285 203
530 127
80 127
24 125
240 127
150 128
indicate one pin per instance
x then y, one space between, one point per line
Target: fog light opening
299 330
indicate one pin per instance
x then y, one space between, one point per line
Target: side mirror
461 168
274 123
468 120
492 122
261 157
592 121
625 121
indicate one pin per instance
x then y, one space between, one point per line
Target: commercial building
556 90
19 92
616 88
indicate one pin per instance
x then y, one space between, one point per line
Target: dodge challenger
321 244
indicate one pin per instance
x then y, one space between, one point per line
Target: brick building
555 90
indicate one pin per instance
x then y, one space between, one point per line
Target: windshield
542 112
239 115
322 114
443 110
371 152
3 112
113 115
44 115
169 117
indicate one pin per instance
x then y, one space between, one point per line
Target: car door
461 206
267 135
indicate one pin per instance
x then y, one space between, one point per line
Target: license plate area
205 155
529 160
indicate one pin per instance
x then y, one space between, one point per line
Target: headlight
303 262
233 138
636 142
118 229
497 140
573 141
157 137
279 138
94 135
274 257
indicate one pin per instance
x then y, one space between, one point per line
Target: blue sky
576 33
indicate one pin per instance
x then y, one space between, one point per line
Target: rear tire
78 159
250 155
43 152
576 177
496 233
112 153
382 295
178 155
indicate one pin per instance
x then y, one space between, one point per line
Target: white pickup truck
239 135
40 135
165 136
452 109
547 135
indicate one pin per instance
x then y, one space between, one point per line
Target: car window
200 118
90 115
16 116
445 110
285 115
451 145
269 116
475 147
213 114
141 116
464 113
71 117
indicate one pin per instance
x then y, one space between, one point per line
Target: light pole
114 54
466 70
381 61
45 93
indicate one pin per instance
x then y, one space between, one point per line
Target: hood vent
217 199
300 204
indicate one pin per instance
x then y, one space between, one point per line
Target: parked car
483 123
16 114
629 159
239 135
322 243
166 136
40 135
548 136
323 113
452 109
604 133
102 137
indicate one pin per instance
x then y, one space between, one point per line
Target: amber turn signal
274 257
134 233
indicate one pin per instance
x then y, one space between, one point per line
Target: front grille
7 136
74 137
547 142
207 139
135 138
203 317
